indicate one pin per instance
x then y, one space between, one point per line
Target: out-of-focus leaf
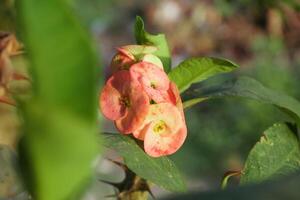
57 151
194 70
64 64
161 171
249 88
294 4
144 38
60 139
286 188
277 153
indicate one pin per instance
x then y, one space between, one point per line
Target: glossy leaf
60 138
277 153
161 171
144 38
194 70
251 89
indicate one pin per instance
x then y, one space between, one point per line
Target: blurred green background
262 36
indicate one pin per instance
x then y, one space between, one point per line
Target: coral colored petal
160 112
122 82
174 95
156 145
159 96
137 111
165 112
149 74
110 103
140 132
153 79
118 85
121 61
168 139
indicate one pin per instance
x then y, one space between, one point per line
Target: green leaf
251 89
63 60
144 38
60 139
161 171
194 70
277 153
57 152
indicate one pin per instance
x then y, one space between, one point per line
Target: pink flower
123 100
164 131
140 99
153 79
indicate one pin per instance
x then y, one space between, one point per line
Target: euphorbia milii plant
140 99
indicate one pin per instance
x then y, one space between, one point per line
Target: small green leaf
161 171
144 38
277 153
249 88
194 70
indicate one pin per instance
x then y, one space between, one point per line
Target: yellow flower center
153 85
159 127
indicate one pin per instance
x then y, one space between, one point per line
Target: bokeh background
262 36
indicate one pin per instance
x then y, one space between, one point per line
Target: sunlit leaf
144 38
194 70
161 171
277 153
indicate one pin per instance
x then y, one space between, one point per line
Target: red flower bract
153 80
165 131
122 99
122 60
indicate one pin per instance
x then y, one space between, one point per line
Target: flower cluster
141 100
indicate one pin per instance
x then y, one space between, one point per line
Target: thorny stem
132 187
